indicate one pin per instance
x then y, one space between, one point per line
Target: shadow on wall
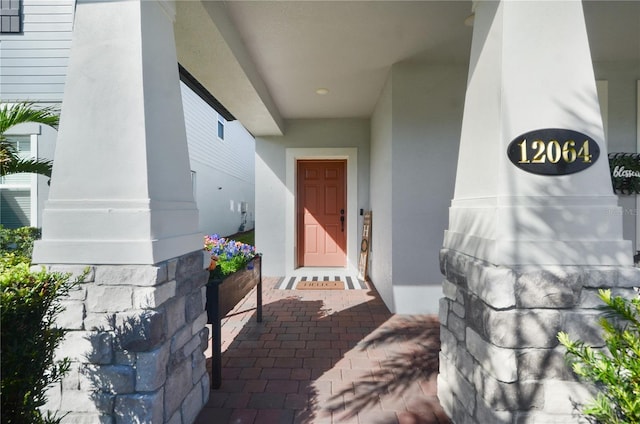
133 359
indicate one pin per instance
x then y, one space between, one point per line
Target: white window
17 205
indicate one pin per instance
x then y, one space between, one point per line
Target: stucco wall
382 196
272 194
622 126
427 115
414 147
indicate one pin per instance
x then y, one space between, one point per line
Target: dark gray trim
11 16
191 82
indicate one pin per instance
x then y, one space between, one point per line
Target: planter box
222 296
227 292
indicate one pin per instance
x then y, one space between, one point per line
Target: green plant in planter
29 337
615 370
230 255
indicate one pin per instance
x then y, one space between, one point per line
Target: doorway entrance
321 213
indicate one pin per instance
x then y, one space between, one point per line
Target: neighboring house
34 54
222 158
34 48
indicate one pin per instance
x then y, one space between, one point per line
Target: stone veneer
136 343
500 360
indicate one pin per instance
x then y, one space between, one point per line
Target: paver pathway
325 356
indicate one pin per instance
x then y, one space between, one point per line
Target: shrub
615 370
29 306
19 240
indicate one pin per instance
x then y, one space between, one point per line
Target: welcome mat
320 285
293 282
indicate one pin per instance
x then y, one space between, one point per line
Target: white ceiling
346 47
288 49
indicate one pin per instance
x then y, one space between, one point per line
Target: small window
10 16
221 122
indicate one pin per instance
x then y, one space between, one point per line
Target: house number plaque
553 151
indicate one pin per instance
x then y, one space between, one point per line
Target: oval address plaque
553 151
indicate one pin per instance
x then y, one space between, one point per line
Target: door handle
342 223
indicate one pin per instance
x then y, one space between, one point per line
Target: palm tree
18 113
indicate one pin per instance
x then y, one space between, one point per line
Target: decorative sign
625 172
363 261
553 151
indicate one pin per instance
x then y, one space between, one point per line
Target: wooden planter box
222 296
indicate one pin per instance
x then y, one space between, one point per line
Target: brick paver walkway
326 357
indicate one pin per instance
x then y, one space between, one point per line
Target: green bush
28 336
19 240
615 370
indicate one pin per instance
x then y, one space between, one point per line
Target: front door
321 213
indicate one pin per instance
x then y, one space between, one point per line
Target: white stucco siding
271 196
33 64
224 169
414 148
381 264
427 112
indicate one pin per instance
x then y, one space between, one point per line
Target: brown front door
321 213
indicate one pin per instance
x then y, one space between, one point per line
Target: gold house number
551 151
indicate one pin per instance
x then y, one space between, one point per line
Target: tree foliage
29 305
19 113
615 370
29 337
18 240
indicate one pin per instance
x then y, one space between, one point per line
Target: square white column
531 69
120 189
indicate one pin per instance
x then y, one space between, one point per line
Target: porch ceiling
264 60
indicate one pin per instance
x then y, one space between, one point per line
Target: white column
120 190
531 69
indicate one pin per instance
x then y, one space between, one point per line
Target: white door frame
292 156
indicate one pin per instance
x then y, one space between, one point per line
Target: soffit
264 59
346 47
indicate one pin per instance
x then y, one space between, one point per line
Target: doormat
350 281
320 285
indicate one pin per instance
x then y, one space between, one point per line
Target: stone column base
136 342
500 360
